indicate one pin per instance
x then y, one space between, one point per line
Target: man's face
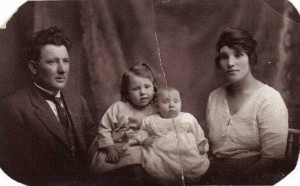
52 69
169 103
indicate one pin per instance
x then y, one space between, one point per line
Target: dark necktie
62 115
61 112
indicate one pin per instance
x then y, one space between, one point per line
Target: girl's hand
149 141
112 155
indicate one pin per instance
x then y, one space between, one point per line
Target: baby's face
169 103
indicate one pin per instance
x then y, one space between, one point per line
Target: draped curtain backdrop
120 33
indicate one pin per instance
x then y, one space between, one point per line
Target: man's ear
33 67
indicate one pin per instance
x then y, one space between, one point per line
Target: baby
173 144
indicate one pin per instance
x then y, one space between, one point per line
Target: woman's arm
273 129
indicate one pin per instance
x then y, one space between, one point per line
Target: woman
247 120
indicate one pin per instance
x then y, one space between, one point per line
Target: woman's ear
33 67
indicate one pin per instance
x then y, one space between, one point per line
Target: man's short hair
51 35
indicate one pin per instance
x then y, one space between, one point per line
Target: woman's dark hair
51 35
239 40
142 70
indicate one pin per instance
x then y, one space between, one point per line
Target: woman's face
234 63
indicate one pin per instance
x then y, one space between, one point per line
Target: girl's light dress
176 148
120 123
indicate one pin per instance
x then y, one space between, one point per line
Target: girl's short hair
237 39
142 70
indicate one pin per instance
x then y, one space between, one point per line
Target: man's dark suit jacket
33 145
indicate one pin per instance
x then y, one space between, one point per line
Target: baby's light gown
176 148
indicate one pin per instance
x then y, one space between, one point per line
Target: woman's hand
112 155
149 141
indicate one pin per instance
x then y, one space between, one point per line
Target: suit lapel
45 114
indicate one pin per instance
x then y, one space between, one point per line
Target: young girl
174 146
122 121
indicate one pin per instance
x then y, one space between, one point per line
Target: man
44 131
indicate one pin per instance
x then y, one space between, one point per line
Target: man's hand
112 155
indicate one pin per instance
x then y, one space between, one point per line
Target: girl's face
140 91
235 64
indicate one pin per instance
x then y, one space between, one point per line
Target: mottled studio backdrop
110 35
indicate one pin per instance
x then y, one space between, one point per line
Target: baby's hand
149 141
112 155
202 152
203 147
